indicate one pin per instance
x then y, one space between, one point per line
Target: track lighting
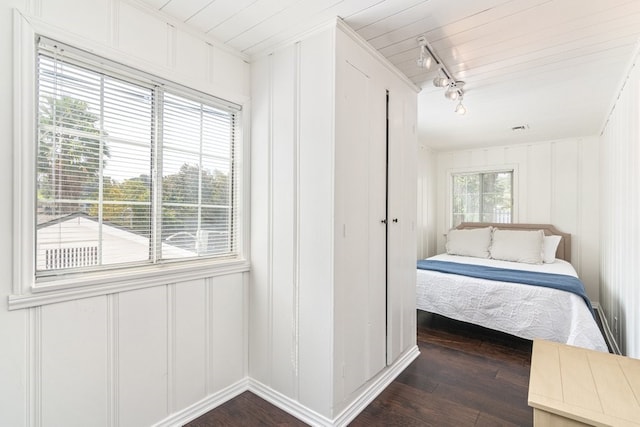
440 81
424 58
454 90
444 78
451 93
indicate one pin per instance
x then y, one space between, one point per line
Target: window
482 197
131 170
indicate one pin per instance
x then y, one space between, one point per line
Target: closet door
360 253
378 225
401 238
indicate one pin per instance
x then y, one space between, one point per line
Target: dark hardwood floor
465 376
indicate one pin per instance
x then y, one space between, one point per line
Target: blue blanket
562 282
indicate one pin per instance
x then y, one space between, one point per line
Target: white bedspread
523 310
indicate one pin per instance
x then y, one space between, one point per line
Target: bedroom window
482 197
131 170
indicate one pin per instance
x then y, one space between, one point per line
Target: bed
479 280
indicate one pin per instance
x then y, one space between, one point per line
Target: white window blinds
130 170
197 166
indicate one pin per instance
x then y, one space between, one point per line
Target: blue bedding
562 282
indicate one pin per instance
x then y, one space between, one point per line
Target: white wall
620 210
427 177
318 324
131 358
291 334
556 183
292 227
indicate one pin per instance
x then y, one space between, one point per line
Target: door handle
395 219
383 221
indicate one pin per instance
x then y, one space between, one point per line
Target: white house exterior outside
78 240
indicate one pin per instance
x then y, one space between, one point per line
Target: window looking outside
129 171
482 197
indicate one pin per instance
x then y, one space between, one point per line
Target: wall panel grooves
35 7
579 208
296 219
171 348
34 388
620 210
114 27
172 41
110 17
208 338
554 168
113 326
270 233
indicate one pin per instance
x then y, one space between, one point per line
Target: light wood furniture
572 386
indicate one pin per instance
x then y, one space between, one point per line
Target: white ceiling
554 66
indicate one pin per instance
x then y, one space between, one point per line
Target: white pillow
518 245
473 242
550 247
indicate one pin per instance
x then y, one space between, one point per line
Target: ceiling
553 67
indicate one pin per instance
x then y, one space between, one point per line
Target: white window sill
104 283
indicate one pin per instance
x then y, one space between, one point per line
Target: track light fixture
451 93
440 80
444 79
424 58
454 90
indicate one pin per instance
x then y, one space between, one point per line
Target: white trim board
608 335
368 394
292 407
205 405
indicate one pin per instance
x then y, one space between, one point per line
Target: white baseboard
288 405
377 386
608 335
368 394
203 406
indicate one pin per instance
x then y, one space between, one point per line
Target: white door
360 263
401 240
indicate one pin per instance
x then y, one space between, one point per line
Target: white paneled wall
555 182
72 358
318 323
130 359
143 364
620 208
426 230
161 354
292 228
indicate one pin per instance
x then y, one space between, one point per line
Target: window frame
26 290
513 168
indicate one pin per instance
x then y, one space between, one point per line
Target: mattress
526 311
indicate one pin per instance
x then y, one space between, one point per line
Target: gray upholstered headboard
564 247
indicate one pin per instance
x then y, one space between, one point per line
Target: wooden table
572 386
